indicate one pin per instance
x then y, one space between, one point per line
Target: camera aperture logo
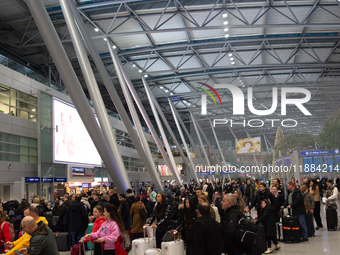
239 102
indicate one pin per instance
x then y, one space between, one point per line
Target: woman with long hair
109 231
240 202
204 199
21 208
315 191
5 234
185 223
99 220
160 216
268 220
137 222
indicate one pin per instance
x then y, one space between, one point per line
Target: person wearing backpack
5 233
229 223
268 220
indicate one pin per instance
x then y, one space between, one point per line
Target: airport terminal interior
127 94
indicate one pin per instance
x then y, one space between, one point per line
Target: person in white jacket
331 192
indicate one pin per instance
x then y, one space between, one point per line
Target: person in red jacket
5 234
99 220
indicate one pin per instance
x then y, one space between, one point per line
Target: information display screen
71 141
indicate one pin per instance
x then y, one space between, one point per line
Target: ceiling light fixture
233 63
171 94
226 35
225 23
166 90
230 54
161 87
133 65
231 59
225 15
105 39
96 29
226 29
140 70
145 75
114 46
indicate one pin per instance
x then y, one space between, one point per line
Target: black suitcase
63 240
310 224
291 229
261 238
332 218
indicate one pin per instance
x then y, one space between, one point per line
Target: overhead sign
47 179
312 153
32 179
248 145
60 179
78 169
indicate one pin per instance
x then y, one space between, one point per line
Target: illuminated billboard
71 141
248 145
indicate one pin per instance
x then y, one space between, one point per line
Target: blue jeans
302 221
76 237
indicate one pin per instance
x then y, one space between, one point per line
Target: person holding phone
109 231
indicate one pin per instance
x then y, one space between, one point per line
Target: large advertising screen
248 145
71 141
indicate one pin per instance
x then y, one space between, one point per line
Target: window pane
32 100
14 139
32 117
23 140
4 147
32 142
23 150
4 89
23 159
4 108
13 101
4 156
33 160
4 99
24 114
22 105
15 157
32 151
15 148
32 108
24 96
14 111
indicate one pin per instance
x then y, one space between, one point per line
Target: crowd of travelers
205 216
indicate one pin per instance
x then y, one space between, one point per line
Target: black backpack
246 232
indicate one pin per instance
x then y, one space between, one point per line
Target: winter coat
62 215
259 196
137 222
298 205
124 210
309 201
109 232
5 235
218 204
77 216
130 199
42 241
229 223
268 220
185 224
86 203
251 190
162 222
96 226
114 200
166 191
104 203
207 236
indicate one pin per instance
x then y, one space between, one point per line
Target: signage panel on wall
71 141
248 145
47 179
60 179
32 179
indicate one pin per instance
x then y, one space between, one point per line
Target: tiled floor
324 242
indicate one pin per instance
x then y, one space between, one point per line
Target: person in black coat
229 223
113 194
296 203
262 194
279 201
206 233
148 205
104 201
62 215
124 211
77 217
268 220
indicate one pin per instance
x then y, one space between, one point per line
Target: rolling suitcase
140 245
153 251
260 244
63 240
310 224
173 248
332 218
90 245
291 229
279 232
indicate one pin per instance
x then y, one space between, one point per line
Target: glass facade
17 103
18 148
